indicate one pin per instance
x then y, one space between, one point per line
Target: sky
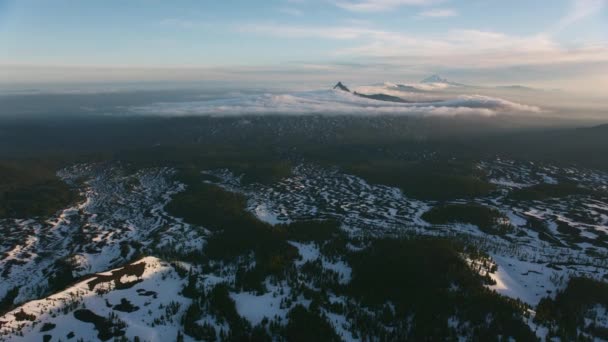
547 43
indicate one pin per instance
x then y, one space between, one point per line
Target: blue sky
491 41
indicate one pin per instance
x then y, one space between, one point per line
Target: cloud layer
334 102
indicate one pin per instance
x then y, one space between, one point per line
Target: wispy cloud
579 10
463 48
380 5
324 32
438 13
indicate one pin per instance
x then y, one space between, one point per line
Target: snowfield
94 235
157 286
529 282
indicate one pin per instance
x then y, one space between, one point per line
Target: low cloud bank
334 102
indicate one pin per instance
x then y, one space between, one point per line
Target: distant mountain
438 79
378 97
434 79
408 88
342 87
382 97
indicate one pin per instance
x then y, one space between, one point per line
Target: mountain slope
342 87
122 302
382 97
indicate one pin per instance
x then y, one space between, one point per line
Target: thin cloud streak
439 13
380 5
462 48
580 9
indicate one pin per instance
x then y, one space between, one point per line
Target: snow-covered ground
530 267
310 252
313 192
120 206
527 281
269 305
156 288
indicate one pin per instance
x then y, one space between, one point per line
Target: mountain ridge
342 87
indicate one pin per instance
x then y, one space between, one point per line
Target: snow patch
522 280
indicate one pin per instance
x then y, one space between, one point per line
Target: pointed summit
341 87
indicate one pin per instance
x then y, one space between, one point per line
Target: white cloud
334 103
438 13
379 5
